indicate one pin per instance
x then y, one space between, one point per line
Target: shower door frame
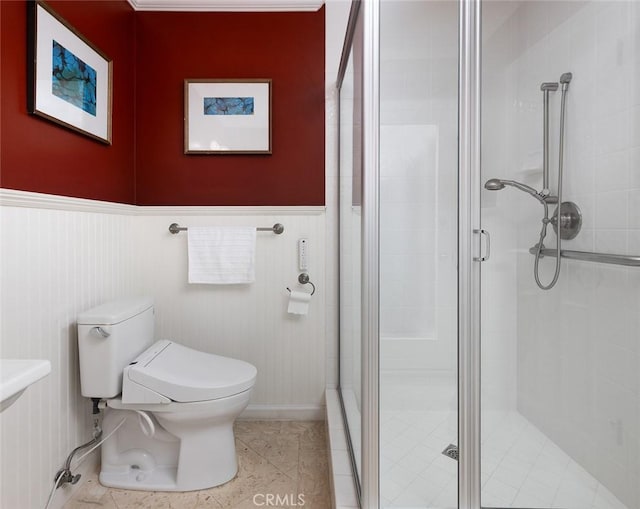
469 257
469 41
370 496
347 50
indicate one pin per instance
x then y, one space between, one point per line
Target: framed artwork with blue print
227 116
69 79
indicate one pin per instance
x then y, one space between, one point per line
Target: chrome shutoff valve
65 476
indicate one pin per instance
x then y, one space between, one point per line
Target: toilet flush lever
100 332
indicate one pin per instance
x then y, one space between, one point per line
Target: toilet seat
168 371
194 407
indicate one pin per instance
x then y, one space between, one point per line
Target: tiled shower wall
578 348
418 186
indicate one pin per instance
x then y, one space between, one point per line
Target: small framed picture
69 78
227 116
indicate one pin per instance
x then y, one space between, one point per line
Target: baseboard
284 412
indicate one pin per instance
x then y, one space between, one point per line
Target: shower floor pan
521 466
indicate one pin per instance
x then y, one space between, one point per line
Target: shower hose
546 220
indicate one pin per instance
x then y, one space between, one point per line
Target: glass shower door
418 225
560 382
350 205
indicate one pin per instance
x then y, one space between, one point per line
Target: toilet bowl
192 447
171 419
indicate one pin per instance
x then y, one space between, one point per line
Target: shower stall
490 342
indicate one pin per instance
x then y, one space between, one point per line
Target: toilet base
160 479
193 447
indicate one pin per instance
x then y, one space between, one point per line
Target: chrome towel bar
613 259
276 228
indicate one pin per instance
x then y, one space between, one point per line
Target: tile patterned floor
277 457
521 466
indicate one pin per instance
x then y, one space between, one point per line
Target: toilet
169 409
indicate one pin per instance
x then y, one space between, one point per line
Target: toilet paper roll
299 303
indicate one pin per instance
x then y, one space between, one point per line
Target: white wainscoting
60 256
53 264
248 322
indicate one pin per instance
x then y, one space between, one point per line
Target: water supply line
61 477
65 474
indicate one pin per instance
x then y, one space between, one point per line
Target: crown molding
227 5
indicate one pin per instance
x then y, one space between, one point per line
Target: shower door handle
488 253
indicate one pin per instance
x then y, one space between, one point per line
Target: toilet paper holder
303 279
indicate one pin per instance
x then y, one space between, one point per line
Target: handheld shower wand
544 196
565 79
498 184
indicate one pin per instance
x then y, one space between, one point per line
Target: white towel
222 256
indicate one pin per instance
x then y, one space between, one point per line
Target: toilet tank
109 337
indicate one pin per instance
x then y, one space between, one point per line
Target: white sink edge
16 375
6 403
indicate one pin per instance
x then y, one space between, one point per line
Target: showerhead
494 185
497 184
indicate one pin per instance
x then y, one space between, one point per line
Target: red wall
286 47
37 155
152 54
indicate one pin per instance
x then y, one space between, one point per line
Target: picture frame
227 116
69 80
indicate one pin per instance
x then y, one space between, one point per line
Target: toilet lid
185 375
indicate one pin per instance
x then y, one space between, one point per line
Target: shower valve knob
570 220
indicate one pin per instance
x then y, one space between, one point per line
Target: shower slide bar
276 228
613 259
